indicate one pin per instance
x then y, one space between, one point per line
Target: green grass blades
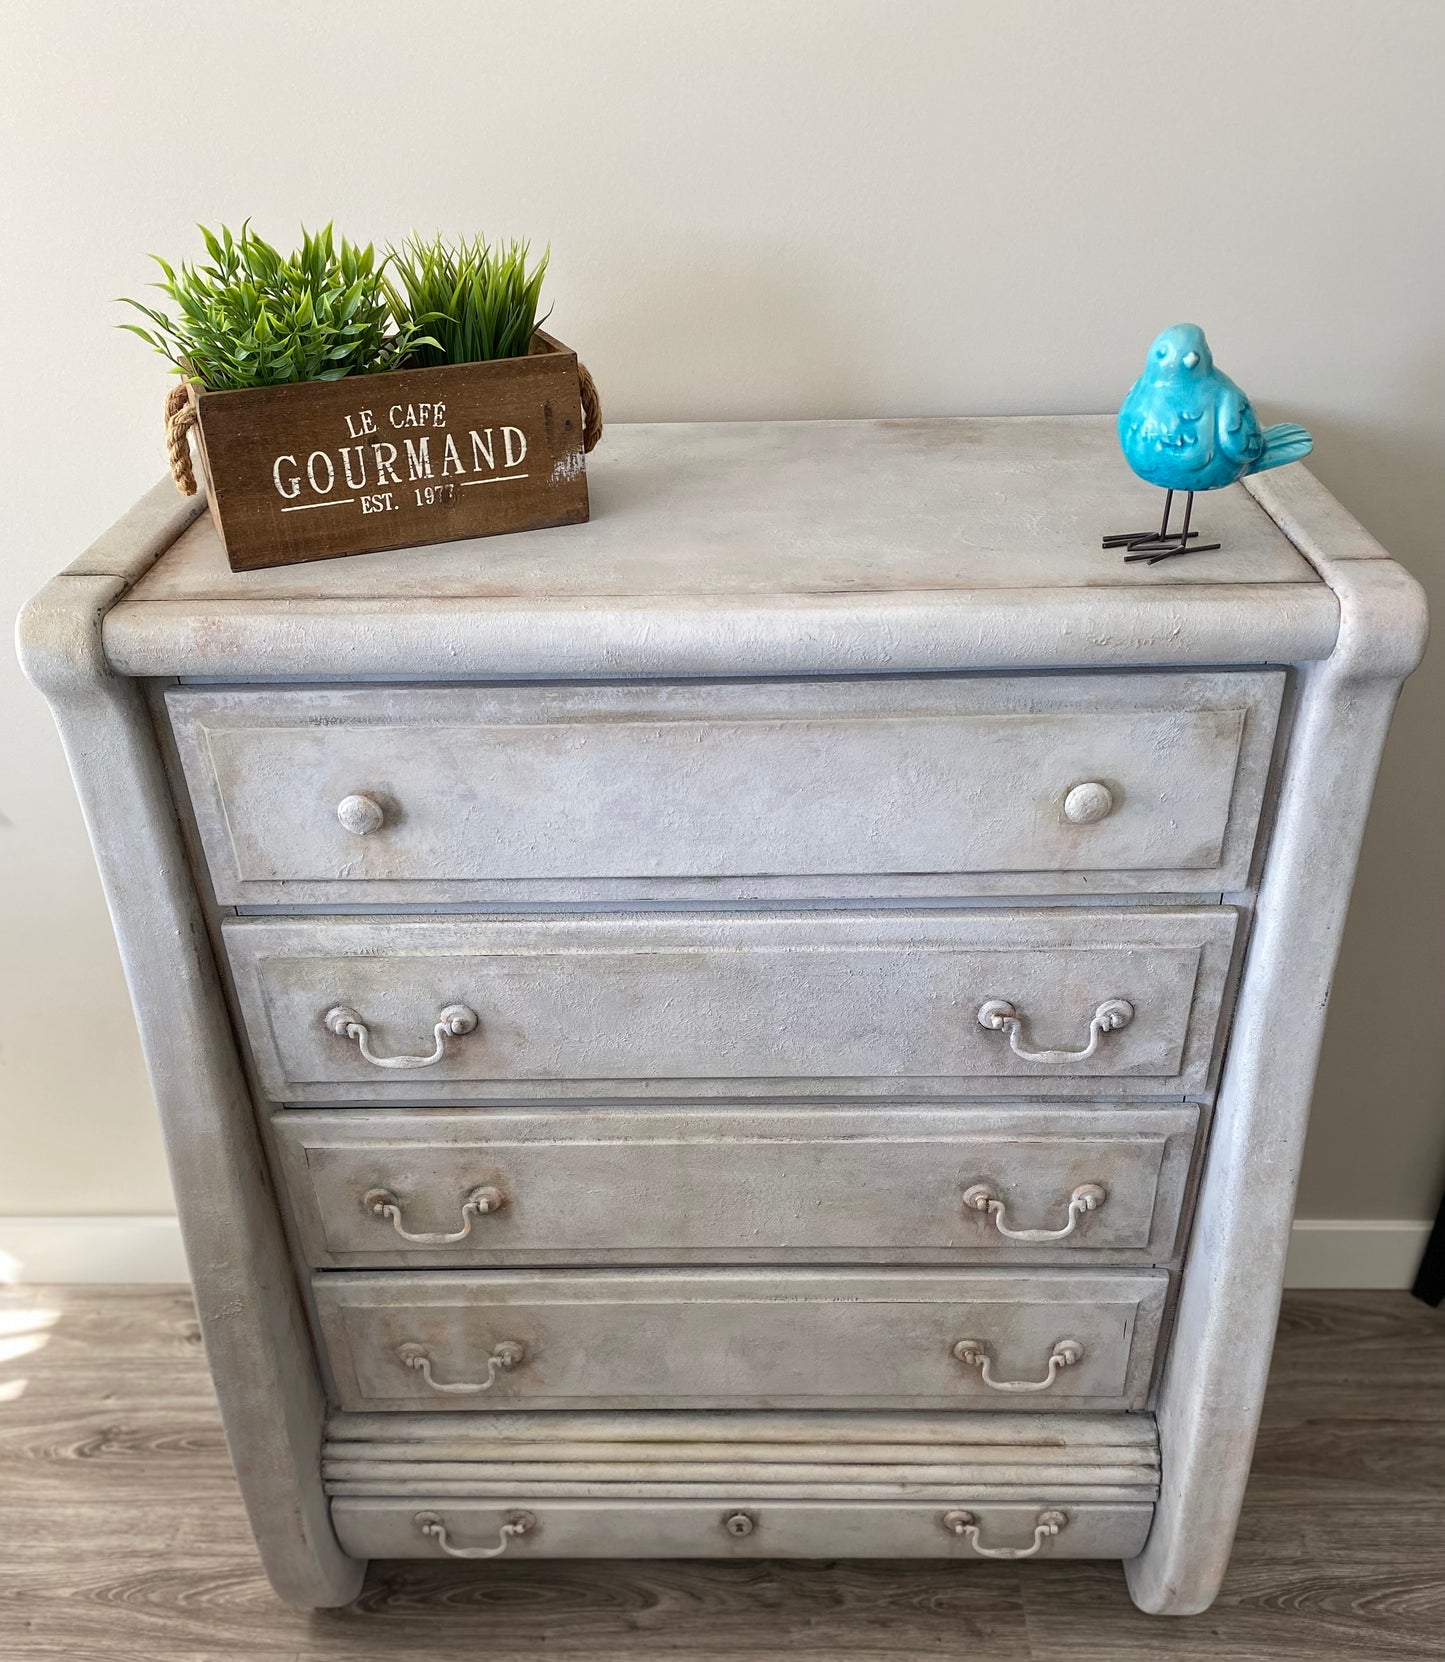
254 317
475 302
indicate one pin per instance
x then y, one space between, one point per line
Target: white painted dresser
777 1022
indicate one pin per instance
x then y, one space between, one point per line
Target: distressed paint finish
789 508
788 1186
652 1528
767 548
716 1003
1003 1456
1213 1385
741 1338
250 1310
836 557
575 793
1113 1438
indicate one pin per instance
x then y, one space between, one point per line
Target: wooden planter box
322 468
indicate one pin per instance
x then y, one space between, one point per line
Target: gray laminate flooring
122 1536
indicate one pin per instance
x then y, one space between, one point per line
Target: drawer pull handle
973 1353
480 1203
999 1016
982 1197
505 1356
1046 1526
360 815
345 1023
513 1525
1088 803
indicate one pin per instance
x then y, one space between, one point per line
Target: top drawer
819 789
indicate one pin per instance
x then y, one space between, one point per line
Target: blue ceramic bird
1185 426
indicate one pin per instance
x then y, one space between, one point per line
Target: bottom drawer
735 1527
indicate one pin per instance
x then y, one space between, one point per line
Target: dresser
778 1022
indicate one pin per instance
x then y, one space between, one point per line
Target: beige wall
757 208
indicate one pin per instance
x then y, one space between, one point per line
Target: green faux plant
257 318
475 302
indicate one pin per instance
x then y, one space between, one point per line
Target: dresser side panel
1214 1378
247 1296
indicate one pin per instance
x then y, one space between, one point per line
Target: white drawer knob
361 815
1088 803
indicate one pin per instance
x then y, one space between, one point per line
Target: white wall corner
1360 1253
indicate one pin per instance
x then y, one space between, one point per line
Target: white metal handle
513 1525
505 1356
1088 1197
973 1353
346 1023
1046 1526
999 1016
480 1203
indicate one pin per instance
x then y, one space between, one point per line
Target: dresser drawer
986 1339
372 1190
989 1001
738 1525
864 788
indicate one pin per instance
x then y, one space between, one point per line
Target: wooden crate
322 468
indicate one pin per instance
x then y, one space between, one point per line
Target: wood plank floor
122 1537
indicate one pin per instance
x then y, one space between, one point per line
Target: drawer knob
983 1197
999 1016
739 1523
1088 803
346 1023
505 1356
965 1524
973 1353
513 1525
361 815
480 1203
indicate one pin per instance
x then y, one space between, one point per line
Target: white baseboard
1355 1252
1324 1252
100 1250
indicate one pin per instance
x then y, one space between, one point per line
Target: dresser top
800 508
762 548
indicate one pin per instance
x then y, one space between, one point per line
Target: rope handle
180 418
591 408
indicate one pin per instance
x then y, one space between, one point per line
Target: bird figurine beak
1190 359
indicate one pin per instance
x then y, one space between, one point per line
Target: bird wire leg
1142 539
1159 548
